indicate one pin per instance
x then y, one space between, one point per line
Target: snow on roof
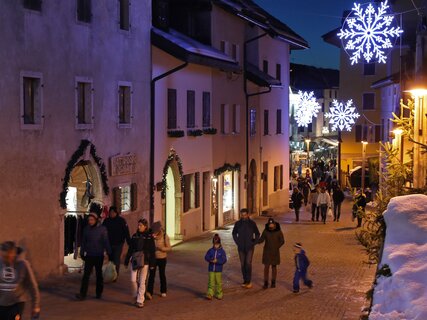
403 295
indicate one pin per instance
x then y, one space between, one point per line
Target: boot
265 286
273 284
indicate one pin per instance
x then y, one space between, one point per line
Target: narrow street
337 269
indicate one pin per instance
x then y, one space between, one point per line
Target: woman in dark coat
273 237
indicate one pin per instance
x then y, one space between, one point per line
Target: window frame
266 119
87 18
367 71
39 118
83 126
169 120
206 109
278 72
363 101
191 109
120 4
279 127
124 125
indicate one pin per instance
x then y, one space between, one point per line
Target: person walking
359 207
301 267
315 210
93 247
338 198
118 233
324 202
245 235
141 254
216 258
297 199
273 238
163 246
16 280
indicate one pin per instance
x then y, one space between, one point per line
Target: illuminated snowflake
342 116
367 32
306 108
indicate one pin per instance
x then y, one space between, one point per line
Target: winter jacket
118 230
297 199
273 241
16 281
142 242
245 234
95 241
313 197
163 245
219 255
301 262
323 199
338 196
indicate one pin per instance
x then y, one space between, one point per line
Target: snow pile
404 294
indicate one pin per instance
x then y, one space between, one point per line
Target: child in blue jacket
301 264
216 257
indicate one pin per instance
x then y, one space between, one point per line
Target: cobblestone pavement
337 269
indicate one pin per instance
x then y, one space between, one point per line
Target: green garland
226 167
172 157
84 144
176 133
195 132
209 130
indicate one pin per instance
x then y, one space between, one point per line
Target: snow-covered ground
404 294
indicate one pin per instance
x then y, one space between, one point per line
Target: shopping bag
109 272
330 212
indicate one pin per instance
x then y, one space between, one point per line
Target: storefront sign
123 164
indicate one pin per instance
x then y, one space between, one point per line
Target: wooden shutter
117 198
206 109
377 133
124 14
281 177
191 108
358 133
133 197
266 129
197 189
279 121
187 183
171 108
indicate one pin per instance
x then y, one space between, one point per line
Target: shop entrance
173 201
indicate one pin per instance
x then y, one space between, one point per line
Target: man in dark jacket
297 199
118 232
337 197
94 244
245 235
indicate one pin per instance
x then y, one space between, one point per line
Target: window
206 109
310 127
160 14
191 109
223 46
84 10
125 197
265 66
278 177
125 104
278 121
368 101
323 107
235 52
235 114
224 119
279 71
31 100
171 108
384 138
358 133
124 14
252 117
191 191
84 104
330 94
33 5
377 133
266 128
369 69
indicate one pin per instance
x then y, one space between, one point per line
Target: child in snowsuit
216 257
301 264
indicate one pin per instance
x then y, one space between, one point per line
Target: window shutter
358 133
128 108
197 189
133 197
191 108
237 118
117 198
281 176
206 109
377 133
171 108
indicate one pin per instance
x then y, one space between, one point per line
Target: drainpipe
152 132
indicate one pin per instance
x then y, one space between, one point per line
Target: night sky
311 19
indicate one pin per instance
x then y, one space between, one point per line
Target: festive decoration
172 157
176 133
84 144
367 32
306 108
342 116
195 133
209 130
226 167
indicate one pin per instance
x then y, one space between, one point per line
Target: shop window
191 191
206 109
266 124
84 10
84 104
279 71
35 5
172 109
369 101
227 196
235 121
125 105
252 117
191 108
31 100
278 121
225 125
124 14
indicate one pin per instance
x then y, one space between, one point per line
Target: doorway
206 213
265 183
173 202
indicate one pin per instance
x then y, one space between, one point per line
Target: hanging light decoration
306 108
342 116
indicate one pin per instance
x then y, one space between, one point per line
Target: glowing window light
342 115
306 108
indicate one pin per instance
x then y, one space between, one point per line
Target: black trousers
10 312
315 210
91 262
323 211
337 210
161 263
116 253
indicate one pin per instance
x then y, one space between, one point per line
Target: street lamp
308 152
364 143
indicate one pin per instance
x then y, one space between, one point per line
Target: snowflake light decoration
306 108
367 32
342 116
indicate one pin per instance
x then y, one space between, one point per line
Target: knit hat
271 221
156 227
216 239
298 245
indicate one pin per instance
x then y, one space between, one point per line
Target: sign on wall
123 164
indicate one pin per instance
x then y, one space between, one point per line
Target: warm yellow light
397 131
417 92
364 142
307 140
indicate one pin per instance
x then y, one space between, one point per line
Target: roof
303 77
192 51
394 78
251 12
260 78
